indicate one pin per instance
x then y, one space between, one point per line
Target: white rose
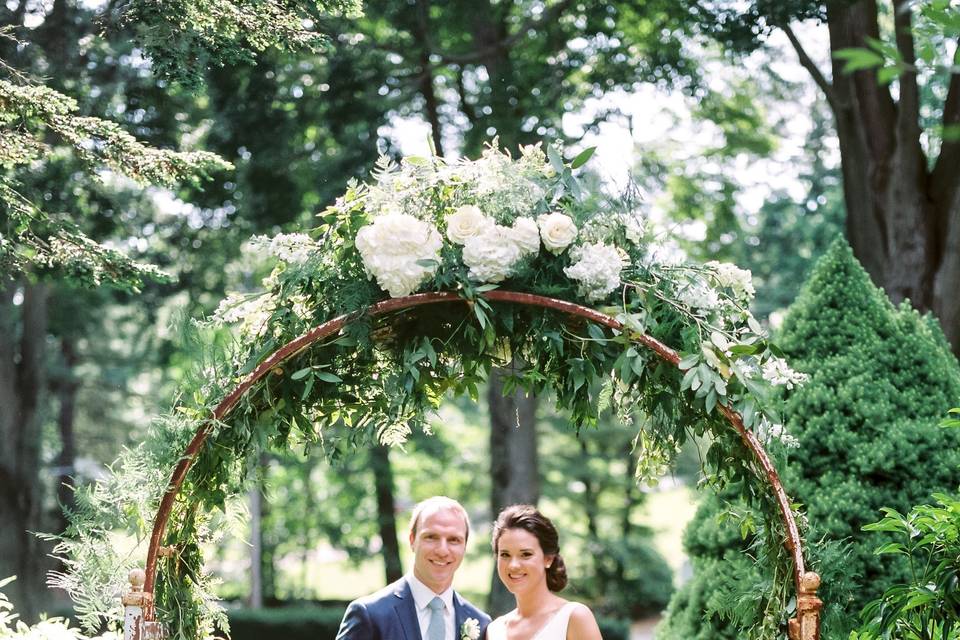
392 247
526 235
466 222
597 270
492 255
557 231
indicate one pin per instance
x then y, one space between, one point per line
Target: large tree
896 108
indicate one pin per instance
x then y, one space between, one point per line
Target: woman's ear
548 561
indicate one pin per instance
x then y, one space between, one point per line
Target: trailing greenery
927 607
867 426
517 223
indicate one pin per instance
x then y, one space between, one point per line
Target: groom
422 605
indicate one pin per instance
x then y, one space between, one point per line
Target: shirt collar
422 594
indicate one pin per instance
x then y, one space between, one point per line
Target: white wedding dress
555 629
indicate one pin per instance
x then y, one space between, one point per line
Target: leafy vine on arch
461 230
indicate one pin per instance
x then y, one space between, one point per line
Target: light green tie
436 629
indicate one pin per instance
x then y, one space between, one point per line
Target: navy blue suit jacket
391 614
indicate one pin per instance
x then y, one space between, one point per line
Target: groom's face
438 546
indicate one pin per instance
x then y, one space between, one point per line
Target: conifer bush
881 377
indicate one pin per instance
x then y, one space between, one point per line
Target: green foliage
927 607
866 424
184 38
614 628
630 577
39 123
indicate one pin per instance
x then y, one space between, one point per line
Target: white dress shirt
422 595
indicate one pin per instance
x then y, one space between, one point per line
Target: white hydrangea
699 296
777 372
730 275
526 235
597 270
557 231
393 248
466 222
491 255
292 248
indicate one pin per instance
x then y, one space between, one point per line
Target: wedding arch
413 287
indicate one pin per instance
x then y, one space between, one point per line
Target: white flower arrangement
470 629
597 270
400 251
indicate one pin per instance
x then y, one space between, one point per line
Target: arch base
806 626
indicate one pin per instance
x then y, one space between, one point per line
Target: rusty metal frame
805 627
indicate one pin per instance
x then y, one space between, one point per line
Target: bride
529 565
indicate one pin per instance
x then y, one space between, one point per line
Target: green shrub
866 422
614 628
632 579
289 623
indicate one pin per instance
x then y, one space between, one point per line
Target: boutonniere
470 630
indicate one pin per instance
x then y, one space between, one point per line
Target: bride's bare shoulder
583 624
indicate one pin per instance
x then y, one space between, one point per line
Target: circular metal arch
806 626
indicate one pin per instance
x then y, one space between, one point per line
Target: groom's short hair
437 503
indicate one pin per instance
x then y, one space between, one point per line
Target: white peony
557 231
467 222
597 270
526 235
492 255
393 246
732 276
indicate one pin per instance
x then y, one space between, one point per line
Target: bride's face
521 564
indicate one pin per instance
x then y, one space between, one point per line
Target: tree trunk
902 217
514 470
427 90
386 512
66 389
23 330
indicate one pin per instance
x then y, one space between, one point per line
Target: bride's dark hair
527 518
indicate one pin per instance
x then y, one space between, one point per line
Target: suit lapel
459 615
406 610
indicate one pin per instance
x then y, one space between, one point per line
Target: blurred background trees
300 100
